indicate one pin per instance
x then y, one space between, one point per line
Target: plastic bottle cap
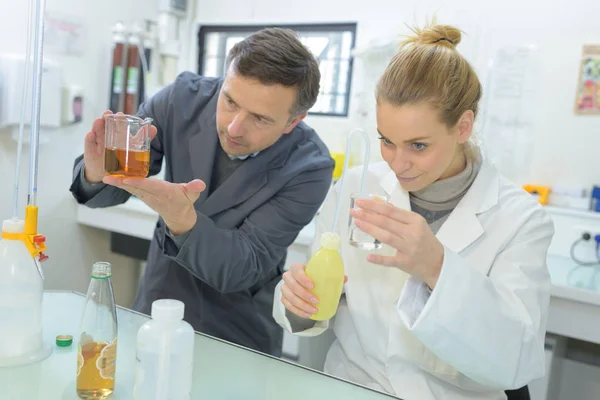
64 340
13 225
331 241
167 309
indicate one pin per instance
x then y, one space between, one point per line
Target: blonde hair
429 69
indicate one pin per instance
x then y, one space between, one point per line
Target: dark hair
276 56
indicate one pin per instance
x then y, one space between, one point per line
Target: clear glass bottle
97 350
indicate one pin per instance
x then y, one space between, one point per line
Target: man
243 176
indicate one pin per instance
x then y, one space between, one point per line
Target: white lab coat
479 332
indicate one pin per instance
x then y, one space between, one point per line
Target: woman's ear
465 126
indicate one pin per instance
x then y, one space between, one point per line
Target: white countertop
221 370
573 282
575 300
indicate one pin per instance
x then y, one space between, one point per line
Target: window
332 44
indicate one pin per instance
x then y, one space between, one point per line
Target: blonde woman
454 306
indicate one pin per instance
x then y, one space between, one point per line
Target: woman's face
418 147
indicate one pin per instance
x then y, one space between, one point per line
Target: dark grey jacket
227 267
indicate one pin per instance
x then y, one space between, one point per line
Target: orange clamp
542 191
35 243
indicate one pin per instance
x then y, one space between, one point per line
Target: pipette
343 177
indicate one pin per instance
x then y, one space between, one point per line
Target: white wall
565 145
72 248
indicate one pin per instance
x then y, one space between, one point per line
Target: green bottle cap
64 340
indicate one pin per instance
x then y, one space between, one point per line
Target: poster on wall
64 34
588 85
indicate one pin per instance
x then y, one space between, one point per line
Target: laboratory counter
221 370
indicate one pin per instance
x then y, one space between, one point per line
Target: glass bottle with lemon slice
97 348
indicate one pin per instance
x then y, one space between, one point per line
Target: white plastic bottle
21 293
165 354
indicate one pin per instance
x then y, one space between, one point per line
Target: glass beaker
127 145
356 237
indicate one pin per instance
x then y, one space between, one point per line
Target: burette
36 243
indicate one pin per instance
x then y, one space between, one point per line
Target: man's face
252 116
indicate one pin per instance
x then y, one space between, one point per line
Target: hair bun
442 35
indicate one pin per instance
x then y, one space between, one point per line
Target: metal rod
34 134
23 108
345 170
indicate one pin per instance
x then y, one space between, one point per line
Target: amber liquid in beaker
90 381
129 163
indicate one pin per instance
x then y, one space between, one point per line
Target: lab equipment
576 197
357 237
131 52
595 203
540 192
326 269
117 84
585 237
132 89
145 45
97 349
21 247
127 145
21 290
346 162
165 354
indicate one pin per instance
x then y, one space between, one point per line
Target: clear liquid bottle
165 354
97 350
326 270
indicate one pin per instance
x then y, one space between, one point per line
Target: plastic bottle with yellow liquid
97 349
326 270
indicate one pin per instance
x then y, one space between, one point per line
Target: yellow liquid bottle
97 347
326 269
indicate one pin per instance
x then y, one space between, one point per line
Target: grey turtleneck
436 201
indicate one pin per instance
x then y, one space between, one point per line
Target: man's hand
93 150
174 202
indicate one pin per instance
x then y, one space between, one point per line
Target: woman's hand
418 251
296 293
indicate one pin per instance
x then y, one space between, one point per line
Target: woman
454 306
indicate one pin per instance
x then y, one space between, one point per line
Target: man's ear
292 124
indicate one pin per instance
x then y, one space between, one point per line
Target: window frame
206 29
